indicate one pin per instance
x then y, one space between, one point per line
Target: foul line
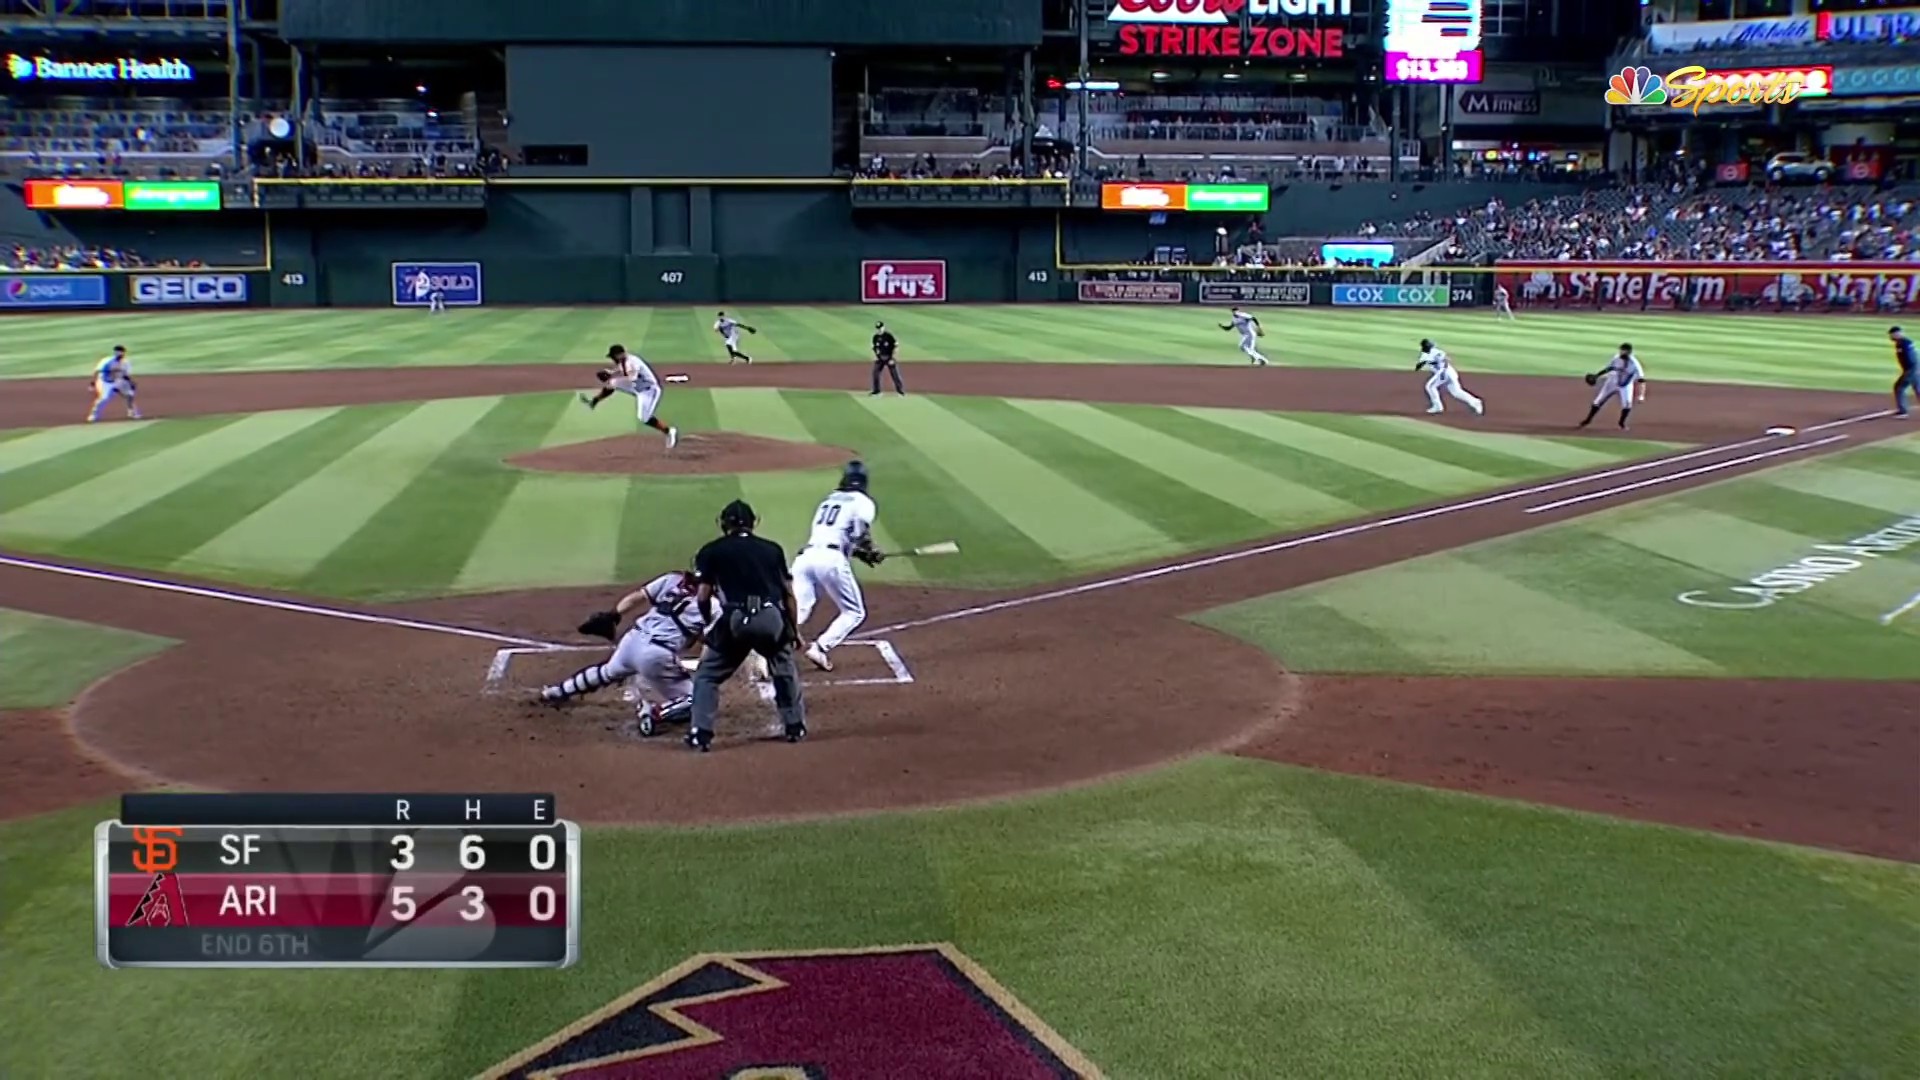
1331 534
1912 602
1848 420
265 602
1683 474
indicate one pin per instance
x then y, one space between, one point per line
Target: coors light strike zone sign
1235 28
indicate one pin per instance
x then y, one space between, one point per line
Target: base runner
729 330
1445 377
1621 378
649 653
112 378
631 375
842 531
1250 330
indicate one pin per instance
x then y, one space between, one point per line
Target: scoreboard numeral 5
403 908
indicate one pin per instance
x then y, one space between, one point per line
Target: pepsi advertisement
415 283
53 291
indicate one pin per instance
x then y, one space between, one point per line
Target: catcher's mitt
602 624
1592 379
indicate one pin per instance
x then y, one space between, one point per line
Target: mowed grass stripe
920 499
1502 457
1189 491
1382 459
1555 453
665 519
51 476
162 532
30 448
92 503
1055 512
517 550
1895 495
1309 635
1761 501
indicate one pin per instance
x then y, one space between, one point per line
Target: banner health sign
22 68
1200 198
53 291
122 195
1390 295
414 283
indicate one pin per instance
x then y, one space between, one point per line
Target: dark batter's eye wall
687 111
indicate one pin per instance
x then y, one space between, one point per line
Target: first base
1780 431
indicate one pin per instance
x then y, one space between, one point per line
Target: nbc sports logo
19 67
1636 86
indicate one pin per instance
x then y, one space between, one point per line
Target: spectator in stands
21 257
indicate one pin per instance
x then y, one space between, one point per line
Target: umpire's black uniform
884 345
756 615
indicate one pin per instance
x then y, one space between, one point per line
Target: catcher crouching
650 652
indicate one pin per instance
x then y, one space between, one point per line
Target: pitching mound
698 452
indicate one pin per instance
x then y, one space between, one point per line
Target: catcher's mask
853 477
737 516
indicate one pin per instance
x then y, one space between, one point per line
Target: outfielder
1249 328
1503 302
1444 377
729 331
842 531
1621 378
424 289
112 378
668 625
631 375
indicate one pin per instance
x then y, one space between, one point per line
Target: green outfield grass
1221 918
1598 596
45 662
412 499
1843 353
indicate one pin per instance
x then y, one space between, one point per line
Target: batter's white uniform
843 520
729 330
1249 328
1445 377
650 652
1623 373
638 379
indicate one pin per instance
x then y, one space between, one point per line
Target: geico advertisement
155 289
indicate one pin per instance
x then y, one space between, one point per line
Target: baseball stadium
997 539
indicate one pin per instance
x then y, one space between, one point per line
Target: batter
842 531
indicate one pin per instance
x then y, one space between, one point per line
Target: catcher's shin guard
584 681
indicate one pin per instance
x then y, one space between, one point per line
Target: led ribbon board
1433 41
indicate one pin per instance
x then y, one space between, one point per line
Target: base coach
756 615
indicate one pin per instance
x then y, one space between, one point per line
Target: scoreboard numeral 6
541 903
472 855
541 852
402 852
403 907
476 908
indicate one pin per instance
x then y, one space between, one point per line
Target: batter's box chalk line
502 663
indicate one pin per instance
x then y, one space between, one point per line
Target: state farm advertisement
1700 286
1276 29
903 281
1130 292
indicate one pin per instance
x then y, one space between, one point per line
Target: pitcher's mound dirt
698 452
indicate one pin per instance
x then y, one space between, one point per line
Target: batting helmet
853 477
737 516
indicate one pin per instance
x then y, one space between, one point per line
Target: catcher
667 627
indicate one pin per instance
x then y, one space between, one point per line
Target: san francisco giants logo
158 852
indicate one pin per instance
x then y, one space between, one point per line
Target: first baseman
1435 359
1621 378
729 330
631 375
112 378
1249 328
842 530
1909 380
649 653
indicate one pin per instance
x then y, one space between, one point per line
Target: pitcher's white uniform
1622 375
1444 377
842 521
650 652
1249 328
636 378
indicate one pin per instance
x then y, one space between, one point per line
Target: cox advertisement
1390 296
414 283
1713 286
903 281
1130 292
187 289
53 291
1257 293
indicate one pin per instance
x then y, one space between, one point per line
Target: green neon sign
1242 198
171 195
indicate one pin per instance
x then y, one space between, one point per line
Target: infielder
631 375
842 531
424 289
1909 380
1250 329
1444 377
729 331
1503 302
649 653
112 378
1620 378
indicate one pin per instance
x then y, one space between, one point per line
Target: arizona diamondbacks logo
922 1011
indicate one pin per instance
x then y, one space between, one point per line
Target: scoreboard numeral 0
541 852
541 903
472 855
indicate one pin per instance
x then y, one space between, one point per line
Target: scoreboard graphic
477 881
1433 41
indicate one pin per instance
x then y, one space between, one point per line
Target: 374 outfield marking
1344 531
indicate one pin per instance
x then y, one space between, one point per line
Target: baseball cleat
794 732
539 697
647 721
700 740
1432 412
673 437
817 656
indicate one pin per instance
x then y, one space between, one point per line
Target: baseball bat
944 547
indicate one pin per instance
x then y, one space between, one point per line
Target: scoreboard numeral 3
476 908
402 852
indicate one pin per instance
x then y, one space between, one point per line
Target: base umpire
884 346
756 615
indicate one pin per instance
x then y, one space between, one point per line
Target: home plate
1781 431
